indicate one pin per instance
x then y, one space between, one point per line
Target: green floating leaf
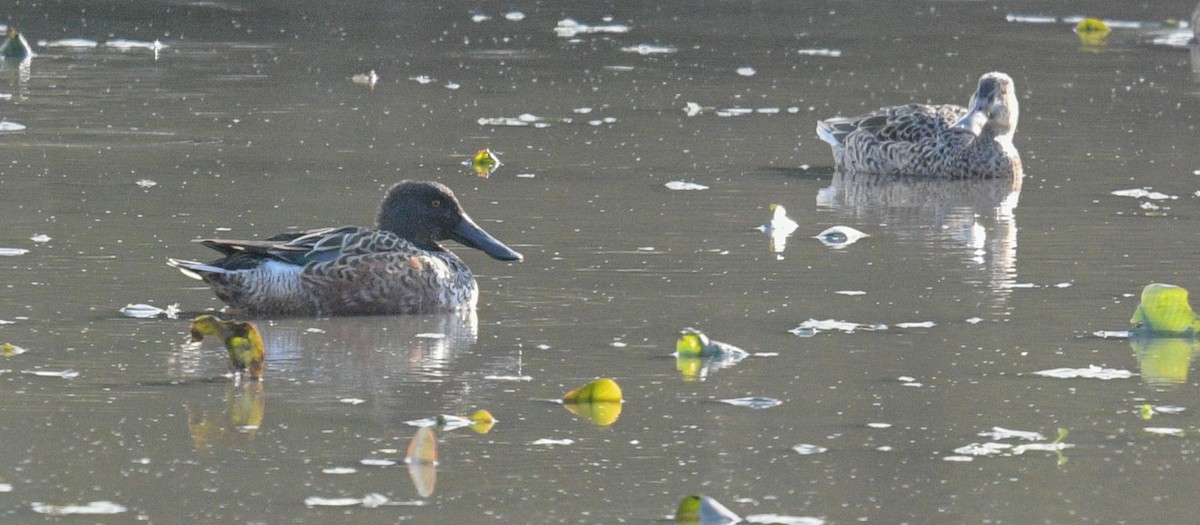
1164 310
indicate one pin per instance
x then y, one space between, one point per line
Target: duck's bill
973 122
470 234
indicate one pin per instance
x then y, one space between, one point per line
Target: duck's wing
298 248
908 123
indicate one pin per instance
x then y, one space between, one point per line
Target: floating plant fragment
484 163
1164 311
838 237
679 185
242 341
757 403
1092 31
696 355
1091 372
704 511
598 401
602 390
9 350
92 508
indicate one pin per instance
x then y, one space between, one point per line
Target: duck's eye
436 203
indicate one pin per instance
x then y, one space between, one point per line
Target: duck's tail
194 269
830 132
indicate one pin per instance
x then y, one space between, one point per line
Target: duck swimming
398 267
945 141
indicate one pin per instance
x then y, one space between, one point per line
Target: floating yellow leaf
603 390
1092 32
9 350
482 421
1164 310
242 340
484 163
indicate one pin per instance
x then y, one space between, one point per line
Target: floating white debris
805 449
569 28
782 519
814 325
713 512
686 186
1169 409
316 501
974 320
376 462
430 335
146 183
958 459
780 223
369 78
7 125
1030 19
1139 193
821 52
879 425
95 507
65 374
9 349
1091 372
41 237
752 402
734 112
1165 431
1112 334
453 85
123 44
352 400
514 16
618 344
921 324
11 252
1063 285
70 42
6 487
692 109
339 471
746 71
480 17
649 49
421 79
549 442
145 311
1043 447
313 330
983 449
850 292
509 378
840 236
1004 433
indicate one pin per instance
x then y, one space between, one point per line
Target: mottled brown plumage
398 267
945 141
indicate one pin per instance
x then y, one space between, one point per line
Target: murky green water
247 123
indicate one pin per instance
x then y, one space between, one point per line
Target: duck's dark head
427 212
993 107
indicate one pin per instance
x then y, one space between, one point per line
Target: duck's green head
424 213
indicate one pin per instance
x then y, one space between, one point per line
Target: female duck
396 268
944 141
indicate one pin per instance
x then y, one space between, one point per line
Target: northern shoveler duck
398 267
15 47
946 141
